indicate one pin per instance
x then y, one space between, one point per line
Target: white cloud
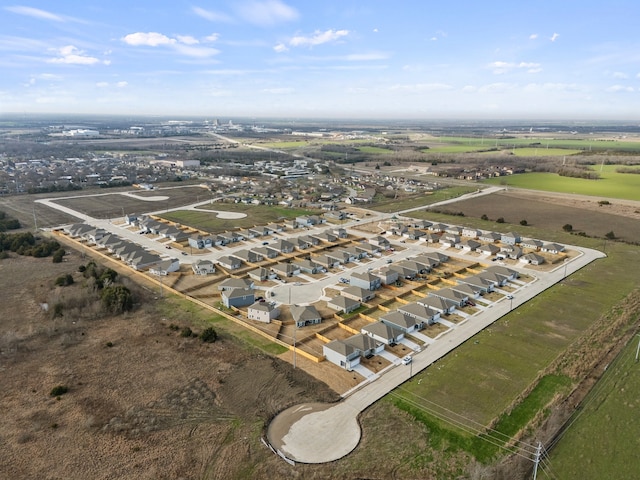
122 84
281 47
212 38
421 87
211 15
187 39
318 38
620 88
35 13
266 12
554 37
149 39
498 87
182 44
533 36
469 89
102 84
499 67
620 75
278 91
364 57
71 55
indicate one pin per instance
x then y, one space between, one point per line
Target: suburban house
347 353
143 259
510 238
232 283
383 333
325 237
488 249
531 243
432 238
200 241
450 294
437 228
238 297
229 262
305 315
355 253
423 313
379 241
510 251
365 280
439 304
247 256
418 267
261 274
165 267
470 291
496 279
265 252
468 246
532 258
500 270
343 304
285 269
403 321
203 267
368 248
387 276
479 282
282 246
326 261
450 239
263 312
552 248
453 230
360 294
340 232
307 266
404 272
470 232
414 234
490 237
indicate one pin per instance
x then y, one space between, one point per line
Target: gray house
238 297
343 304
383 332
365 280
305 315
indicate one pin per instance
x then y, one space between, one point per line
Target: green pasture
481 378
579 144
388 205
611 184
602 441
375 150
543 152
206 220
285 145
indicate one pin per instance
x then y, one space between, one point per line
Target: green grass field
388 205
496 365
256 215
543 152
611 184
579 144
602 441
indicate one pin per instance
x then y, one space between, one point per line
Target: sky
403 59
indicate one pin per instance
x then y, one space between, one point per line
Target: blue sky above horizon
333 59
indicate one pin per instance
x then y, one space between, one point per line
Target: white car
406 360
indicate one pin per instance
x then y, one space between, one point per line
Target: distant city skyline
331 59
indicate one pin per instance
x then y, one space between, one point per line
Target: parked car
184 253
510 297
406 360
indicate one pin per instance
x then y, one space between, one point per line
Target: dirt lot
151 405
541 209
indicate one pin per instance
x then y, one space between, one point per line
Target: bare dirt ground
143 402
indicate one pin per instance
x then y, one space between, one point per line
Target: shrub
209 335
500 220
610 235
186 332
58 255
117 299
58 390
524 223
64 280
567 227
484 217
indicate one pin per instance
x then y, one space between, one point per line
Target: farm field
515 206
611 407
610 185
540 142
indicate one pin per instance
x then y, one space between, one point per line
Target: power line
480 427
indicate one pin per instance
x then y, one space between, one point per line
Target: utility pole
638 349
536 460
